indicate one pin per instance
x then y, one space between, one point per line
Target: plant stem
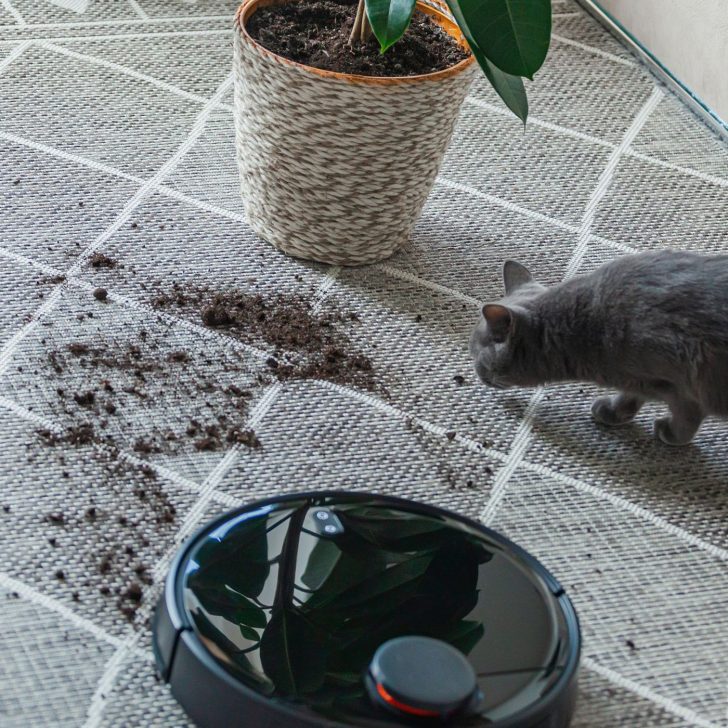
366 29
356 28
362 29
287 571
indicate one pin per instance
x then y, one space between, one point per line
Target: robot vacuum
351 609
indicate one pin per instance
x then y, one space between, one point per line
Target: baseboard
692 100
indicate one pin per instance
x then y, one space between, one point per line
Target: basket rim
247 8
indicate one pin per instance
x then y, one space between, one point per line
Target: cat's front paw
665 432
604 412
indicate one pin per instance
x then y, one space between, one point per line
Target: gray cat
654 326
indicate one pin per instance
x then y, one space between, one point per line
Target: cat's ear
515 275
499 319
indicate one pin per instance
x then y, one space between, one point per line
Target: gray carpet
116 137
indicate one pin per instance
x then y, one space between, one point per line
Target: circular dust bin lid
316 610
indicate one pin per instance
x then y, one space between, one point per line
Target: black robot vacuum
349 609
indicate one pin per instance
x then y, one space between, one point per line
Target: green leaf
250 675
465 635
375 588
513 34
239 560
388 529
252 617
226 602
322 561
248 633
293 653
509 88
348 571
247 612
389 19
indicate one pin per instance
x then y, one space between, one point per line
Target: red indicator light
391 700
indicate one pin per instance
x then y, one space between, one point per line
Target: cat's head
504 344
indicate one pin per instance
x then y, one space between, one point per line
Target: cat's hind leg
684 421
618 410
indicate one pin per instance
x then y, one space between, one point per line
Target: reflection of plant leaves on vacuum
230 655
387 575
293 652
247 544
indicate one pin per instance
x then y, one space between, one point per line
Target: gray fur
654 326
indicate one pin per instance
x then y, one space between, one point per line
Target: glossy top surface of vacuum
366 610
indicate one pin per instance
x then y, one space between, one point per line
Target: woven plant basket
336 167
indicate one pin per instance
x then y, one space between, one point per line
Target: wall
689 37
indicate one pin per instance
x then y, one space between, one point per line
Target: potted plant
342 119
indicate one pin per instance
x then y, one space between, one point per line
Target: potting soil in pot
317 34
